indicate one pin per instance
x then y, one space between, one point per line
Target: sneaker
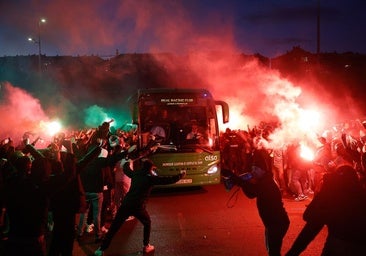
99 252
104 229
301 198
130 218
89 228
148 248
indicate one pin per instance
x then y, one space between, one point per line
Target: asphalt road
203 221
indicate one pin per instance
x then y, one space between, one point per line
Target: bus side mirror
225 110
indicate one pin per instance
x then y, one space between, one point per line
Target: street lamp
318 30
42 20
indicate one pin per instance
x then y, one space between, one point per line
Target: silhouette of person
26 195
65 203
339 205
259 184
197 133
134 203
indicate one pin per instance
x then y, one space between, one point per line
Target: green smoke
96 115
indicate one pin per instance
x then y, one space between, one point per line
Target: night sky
101 27
198 27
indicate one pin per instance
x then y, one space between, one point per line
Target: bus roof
173 90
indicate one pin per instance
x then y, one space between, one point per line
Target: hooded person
258 183
134 203
339 205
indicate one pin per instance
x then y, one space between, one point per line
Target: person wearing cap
134 203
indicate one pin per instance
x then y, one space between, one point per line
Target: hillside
74 83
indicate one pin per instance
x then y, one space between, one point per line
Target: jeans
95 200
123 212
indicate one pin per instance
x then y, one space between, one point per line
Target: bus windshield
179 126
183 124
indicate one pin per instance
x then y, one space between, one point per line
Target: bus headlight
213 169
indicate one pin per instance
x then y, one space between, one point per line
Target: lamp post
318 29
42 20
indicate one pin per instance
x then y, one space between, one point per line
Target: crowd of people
298 176
335 176
86 173
43 189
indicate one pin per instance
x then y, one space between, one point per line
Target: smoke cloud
21 112
207 57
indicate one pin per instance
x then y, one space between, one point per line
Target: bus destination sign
177 101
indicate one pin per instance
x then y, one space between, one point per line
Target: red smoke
255 93
20 112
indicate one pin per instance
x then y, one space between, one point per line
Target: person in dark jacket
67 201
26 199
340 205
134 203
259 184
94 176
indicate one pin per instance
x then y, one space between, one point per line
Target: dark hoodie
142 182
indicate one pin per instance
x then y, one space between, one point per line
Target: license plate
184 181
